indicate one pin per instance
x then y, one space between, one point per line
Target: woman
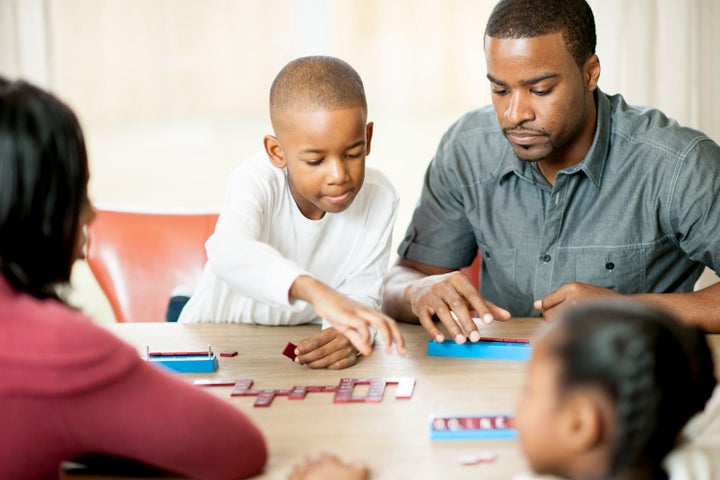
69 389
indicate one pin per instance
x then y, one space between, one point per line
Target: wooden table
392 436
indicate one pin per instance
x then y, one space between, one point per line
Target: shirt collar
592 165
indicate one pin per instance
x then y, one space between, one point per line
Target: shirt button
610 265
546 258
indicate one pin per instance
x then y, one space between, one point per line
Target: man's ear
583 424
592 72
368 135
274 151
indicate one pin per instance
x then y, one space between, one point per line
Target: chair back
140 257
473 271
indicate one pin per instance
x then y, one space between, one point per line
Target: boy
298 238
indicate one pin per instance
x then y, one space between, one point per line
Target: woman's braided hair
658 372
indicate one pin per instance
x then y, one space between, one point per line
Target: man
567 193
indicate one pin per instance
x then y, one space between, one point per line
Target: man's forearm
701 308
395 303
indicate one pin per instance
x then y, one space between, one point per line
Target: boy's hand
349 317
326 349
328 467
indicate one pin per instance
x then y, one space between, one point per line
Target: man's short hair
533 18
316 83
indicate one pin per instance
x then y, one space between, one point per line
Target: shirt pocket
621 269
501 283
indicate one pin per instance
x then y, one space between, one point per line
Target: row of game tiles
344 390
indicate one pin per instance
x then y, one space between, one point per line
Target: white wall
172 93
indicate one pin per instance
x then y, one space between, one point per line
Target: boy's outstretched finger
388 330
397 337
359 340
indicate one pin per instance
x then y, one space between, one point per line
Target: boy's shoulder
256 172
379 181
377 197
257 164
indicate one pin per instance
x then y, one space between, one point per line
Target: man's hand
349 317
568 295
326 349
450 297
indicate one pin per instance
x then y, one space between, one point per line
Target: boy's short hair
316 83
532 18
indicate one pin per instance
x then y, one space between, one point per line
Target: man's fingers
549 301
466 298
552 303
429 325
499 314
462 316
448 299
444 314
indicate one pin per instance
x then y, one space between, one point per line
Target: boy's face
324 152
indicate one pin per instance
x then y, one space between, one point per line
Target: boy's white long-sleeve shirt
262 243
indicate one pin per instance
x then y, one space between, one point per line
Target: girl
609 388
69 388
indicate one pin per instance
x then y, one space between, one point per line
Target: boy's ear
368 135
274 151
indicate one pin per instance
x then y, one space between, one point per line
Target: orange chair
473 271
138 258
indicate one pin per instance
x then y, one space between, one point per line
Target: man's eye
542 92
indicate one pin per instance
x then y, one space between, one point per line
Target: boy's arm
236 253
363 279
349 317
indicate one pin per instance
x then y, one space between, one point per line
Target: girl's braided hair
658 373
